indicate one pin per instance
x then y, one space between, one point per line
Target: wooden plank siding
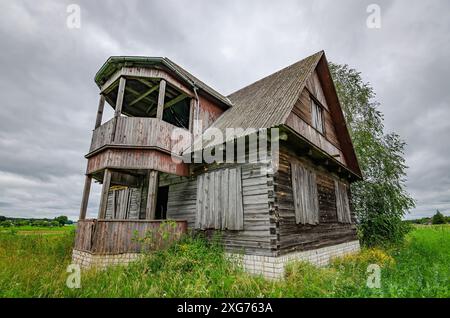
130 158
258 235
139 132
124 203
302 108
294 237
313 136
117 236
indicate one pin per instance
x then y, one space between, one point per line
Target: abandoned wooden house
295 204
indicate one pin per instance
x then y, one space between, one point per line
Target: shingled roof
268 102
265 103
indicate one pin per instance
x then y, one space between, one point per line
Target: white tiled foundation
273 267
89 260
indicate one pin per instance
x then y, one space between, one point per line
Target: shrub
6 223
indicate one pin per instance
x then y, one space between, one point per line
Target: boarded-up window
219 200
123 203
317 116
306 200
342 202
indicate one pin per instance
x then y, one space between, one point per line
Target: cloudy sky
49 98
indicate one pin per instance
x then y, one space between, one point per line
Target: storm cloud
49 98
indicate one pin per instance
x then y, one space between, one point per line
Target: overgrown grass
35 266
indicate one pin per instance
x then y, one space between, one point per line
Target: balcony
141 132
138 143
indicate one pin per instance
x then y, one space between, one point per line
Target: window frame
322 109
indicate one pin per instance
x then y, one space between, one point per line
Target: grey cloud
49 98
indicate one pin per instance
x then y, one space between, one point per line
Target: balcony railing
138 132
126 236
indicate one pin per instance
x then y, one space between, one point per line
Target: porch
113 237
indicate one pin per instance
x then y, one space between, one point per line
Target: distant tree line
58 221
438 218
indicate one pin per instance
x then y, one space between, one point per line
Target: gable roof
268 102
115 63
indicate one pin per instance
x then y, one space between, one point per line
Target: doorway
161 203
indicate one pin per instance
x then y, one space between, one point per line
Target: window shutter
306 200
219 200
342 202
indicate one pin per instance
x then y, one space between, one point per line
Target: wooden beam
124 179
191 114
120 94
134 92
104 194
154 88
110 88
101 105
145 82
85 198
171 103
112 81
152 195
119 103
149 107
162 92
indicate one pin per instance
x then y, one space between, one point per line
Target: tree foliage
438 218
61 220
380 201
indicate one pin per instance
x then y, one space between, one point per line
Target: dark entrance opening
161 203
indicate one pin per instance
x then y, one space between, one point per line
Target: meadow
33 263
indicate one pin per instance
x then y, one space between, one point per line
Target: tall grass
35 266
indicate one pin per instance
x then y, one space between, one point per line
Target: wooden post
101 105
104 195
119 100
150 210
119 103
162 92
192 111
85 199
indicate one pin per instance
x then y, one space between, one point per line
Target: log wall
258 236
295 237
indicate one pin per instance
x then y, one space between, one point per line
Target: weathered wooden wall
139 132
182 196
124 203
292 236
118 236
302 108
143 159
209 112
300 119
258 236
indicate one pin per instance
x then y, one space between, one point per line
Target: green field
33 263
